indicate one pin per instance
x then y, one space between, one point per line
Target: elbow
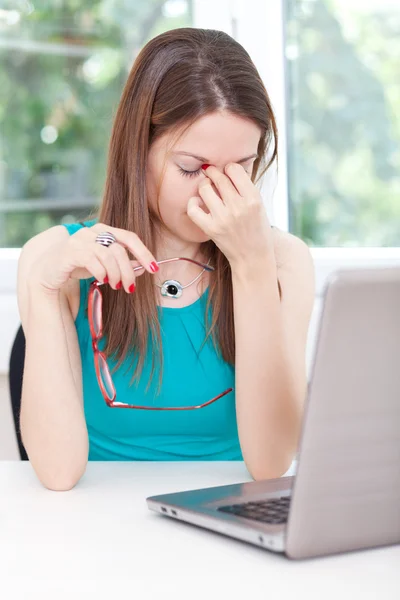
61 474
60 484
60 478
271 470
61 481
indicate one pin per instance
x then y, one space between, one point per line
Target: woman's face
216 139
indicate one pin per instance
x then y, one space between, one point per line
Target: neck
172 249
183 271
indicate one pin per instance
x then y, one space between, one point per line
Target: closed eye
194 173
189 173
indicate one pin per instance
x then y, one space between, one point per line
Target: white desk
100 541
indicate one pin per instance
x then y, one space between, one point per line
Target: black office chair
16 369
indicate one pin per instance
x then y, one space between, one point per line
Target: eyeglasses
95 303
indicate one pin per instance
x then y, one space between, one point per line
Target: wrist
37 290
254 268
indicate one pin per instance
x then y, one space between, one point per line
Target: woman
236 332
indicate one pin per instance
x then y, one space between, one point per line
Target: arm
271 336
53 426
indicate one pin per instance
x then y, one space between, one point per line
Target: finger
198 216
96 268
214 204
240 179
110 263
224 185
92 268
131 241
128 276
137 268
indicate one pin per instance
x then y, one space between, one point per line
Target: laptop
345 493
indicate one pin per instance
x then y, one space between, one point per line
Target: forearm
268 415
53 425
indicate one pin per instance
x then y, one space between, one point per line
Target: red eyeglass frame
100 356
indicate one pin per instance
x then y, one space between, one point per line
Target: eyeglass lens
97 311
105 376
97 326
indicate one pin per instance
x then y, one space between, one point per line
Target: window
343 122
62 69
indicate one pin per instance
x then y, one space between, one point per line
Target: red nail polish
154 267
105 279
132 288
205 166
119 285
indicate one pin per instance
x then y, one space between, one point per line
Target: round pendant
171 289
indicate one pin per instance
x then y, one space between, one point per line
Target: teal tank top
189 379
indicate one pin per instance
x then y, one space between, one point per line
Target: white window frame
258 26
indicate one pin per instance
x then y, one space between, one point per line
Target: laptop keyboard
273 511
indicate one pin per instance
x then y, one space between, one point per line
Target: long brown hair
178 77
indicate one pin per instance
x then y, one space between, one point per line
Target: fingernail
205 166
132 288
119 285
154 267
105 279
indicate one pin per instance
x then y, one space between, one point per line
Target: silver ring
106 238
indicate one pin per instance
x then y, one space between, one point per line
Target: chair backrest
16 370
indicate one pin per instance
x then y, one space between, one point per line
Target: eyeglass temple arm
206 267
159 262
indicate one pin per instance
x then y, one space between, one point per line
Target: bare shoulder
295 269
32 250
290 250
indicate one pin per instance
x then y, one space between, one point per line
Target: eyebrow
205 160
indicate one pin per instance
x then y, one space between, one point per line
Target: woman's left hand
238 222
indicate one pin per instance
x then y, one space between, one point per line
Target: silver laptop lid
347 489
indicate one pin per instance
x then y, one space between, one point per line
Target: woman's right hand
81 257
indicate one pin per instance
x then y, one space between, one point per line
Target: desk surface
99 540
